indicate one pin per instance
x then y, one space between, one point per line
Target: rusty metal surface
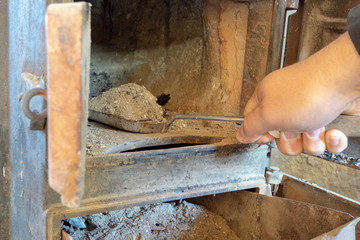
313 26
257 46
247 213
68 55
233 28
35 202
36 111
255 216
32 115
296 189
322 21
348 231
181 169
277 32
293 36
351 231
4 125
335 177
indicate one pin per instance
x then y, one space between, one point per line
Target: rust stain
232 33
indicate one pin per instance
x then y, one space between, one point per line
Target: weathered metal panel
27 148
118 180
257 46
178 170
4 125
313 26
293 36
349 231
304 192
277 32
255 216
332 176
225 33
322 22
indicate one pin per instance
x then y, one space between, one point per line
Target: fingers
254 127
290 143
314 141
266 138
336 141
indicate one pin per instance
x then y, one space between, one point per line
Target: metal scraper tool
146 126
350 125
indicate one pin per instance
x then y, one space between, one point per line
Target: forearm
301 99
339 62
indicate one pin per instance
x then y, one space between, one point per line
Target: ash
342 159
129 101
176 220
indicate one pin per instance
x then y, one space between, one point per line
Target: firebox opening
191 50
152 144
163 147
156 44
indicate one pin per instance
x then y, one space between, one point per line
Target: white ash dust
176 220
129 101
100 138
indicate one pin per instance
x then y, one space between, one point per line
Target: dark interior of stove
163 143
163 147
167 47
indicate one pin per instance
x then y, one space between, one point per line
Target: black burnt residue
342 159
163 99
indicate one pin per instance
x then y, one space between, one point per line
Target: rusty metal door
68 62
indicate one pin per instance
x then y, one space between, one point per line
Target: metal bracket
38 120
273 179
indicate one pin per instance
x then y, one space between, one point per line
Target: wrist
339 65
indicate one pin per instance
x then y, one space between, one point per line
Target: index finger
253 128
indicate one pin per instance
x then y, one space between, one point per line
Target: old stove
208 55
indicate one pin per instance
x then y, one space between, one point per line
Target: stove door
68 58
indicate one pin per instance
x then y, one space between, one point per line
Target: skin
301 99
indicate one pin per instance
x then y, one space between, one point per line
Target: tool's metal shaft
350 125
200 117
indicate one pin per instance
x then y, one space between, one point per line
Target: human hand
301 99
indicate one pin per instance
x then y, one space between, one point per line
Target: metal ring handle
26 102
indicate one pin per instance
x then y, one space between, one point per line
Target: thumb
253 128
